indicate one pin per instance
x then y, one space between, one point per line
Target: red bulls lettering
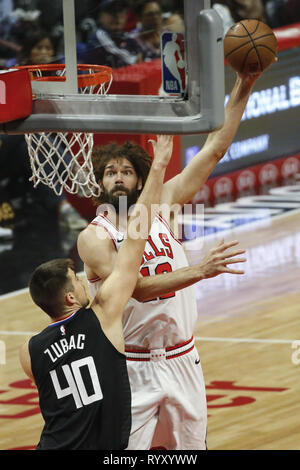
165 241
156 251
147 256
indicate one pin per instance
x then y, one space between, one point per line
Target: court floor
248 337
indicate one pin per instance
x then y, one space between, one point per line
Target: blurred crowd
114 32
108 32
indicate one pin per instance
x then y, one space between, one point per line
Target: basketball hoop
62 160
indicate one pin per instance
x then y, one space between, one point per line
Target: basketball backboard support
59 108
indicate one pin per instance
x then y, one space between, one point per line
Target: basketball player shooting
78 362
167 385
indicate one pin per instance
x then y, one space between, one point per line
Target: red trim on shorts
140 359
141 351
179 345
169 349
180 354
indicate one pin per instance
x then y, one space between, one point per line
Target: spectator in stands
52 12
149 29
38 48
243 9
16 172
110 44
51 19
23 23
232 11
15 27
173 22
8 48
6 7
282 12
225 14
291 12
274 11
171 6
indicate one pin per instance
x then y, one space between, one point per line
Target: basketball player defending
167 385
78 361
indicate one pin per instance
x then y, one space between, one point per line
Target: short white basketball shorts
168 399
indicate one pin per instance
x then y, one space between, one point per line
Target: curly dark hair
135 154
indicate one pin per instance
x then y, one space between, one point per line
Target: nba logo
173 63
63 330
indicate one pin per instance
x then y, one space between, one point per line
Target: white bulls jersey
165 321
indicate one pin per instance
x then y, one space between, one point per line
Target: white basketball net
62 161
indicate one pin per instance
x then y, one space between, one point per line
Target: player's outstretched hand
217 260
162 149
250 77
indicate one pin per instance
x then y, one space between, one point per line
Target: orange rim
97 74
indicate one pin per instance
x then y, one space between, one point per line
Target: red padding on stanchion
288 36
15 95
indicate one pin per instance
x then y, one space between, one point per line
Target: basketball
250 46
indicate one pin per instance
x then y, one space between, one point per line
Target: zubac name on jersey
62 346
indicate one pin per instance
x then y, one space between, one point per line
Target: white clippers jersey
161 322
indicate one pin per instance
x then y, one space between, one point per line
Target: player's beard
110 197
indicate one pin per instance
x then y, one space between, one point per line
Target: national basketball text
171 85
272 100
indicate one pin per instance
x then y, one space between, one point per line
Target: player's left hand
250 76
162 149
217 260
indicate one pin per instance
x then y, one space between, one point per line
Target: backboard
150 96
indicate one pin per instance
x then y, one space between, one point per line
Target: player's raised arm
118 287
182 188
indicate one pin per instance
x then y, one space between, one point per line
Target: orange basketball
250 46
